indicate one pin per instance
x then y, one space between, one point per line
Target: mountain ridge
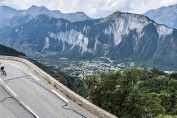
164 15
13 17
120 36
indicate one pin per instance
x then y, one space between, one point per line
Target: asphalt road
23 95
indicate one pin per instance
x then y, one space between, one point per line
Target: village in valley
84 68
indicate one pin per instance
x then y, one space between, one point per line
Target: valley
123 62
85 68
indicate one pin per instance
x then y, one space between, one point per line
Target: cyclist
2 69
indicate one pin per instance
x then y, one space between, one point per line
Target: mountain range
164 15
13 17
120 36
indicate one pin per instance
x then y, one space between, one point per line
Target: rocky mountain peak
34 7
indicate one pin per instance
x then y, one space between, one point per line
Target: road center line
11 91
60 96
29 109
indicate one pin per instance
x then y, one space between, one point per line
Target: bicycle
4 72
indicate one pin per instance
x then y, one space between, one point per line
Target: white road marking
29 109
56 93
15 65
35 78
2 81
11 91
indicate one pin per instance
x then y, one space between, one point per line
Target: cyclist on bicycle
2 68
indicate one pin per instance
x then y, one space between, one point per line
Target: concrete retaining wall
70 94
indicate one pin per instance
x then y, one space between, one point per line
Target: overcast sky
93 8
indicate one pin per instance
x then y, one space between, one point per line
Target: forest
133 93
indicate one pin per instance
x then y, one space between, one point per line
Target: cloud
94 8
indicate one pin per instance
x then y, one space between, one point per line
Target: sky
93 8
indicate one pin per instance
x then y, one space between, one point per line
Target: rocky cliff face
120 36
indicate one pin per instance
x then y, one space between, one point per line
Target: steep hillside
134 93
6 13
9 51
164 15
